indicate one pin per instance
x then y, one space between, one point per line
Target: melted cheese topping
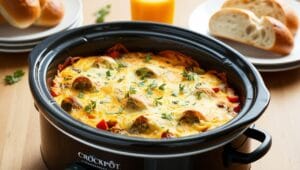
158 88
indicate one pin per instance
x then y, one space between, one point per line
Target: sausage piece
191 117
68 61
82 83
146 72
167 134
140 125
69 103
116 51
136 102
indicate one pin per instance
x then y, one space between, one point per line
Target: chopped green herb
166 116
99 74
102 13
108 73
120 80
151 87
132 90
199 95
80 95
12 79
162 86
174 94
142 83
181 88
90 107
188 75
121 65
157 101
144 73
148 58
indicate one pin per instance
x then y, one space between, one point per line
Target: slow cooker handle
233 156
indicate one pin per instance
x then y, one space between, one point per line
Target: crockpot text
91 159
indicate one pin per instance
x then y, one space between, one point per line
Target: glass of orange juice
153 10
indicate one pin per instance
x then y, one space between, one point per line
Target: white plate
21 49
30 43
73 8
198 22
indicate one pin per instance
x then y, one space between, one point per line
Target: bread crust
52 13
20 13
284 40
287 15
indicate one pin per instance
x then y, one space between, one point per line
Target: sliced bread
244 26
272 8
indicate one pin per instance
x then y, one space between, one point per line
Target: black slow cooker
70 144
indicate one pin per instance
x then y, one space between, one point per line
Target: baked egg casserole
144 94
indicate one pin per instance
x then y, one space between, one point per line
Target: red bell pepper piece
102 125
114 54
53 93
233 99
237 108
216 89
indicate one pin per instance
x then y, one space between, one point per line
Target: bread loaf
244 26
272 8
20 13
52 13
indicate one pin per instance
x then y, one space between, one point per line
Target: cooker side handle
230 154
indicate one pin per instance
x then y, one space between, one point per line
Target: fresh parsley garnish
151 87
121 65
144 73
162 86
108 73
90 107
181 88
132 90
188 75
80 95
142 83
102 13
199 95
157 101
14 78
148 58
166 116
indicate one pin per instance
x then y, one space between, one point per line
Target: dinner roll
52 13
20 13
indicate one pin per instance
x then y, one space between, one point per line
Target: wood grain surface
19 121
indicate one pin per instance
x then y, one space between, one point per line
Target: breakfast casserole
144 94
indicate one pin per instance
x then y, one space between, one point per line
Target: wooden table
19 122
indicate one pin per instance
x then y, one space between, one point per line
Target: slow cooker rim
260 86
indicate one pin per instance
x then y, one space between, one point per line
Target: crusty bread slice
272 8
244 26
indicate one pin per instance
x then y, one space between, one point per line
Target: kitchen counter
19 121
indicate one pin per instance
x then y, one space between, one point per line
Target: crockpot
70 144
